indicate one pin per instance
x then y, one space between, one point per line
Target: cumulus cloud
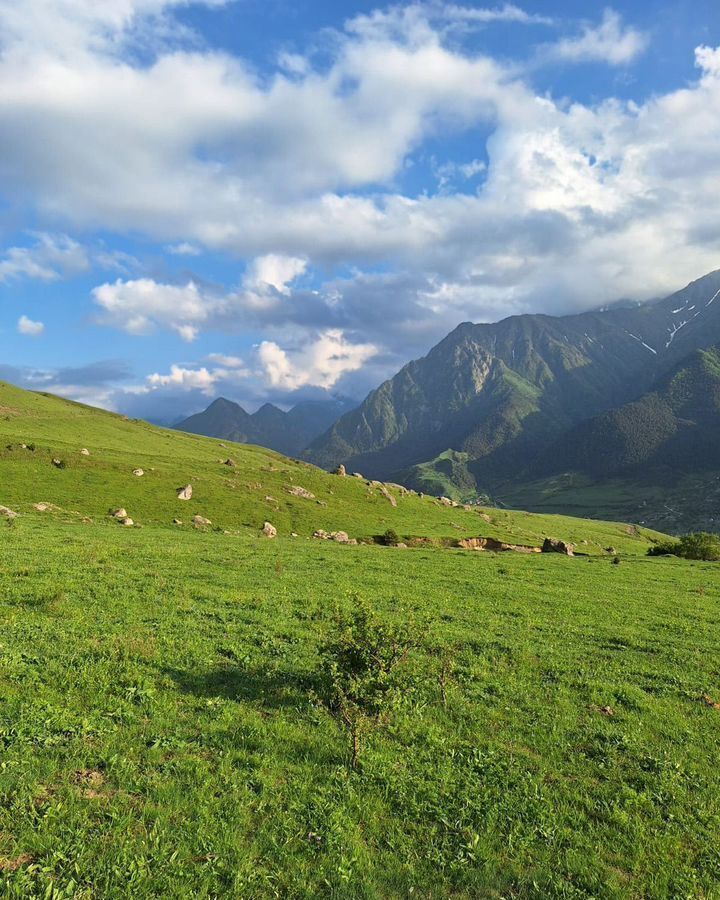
29 327
274 271
49 258
609 42
321 363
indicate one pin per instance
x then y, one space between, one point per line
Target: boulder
230 462
177 521
43 507
269 530
341 471
298 491
387 495
119 513
7 513
138 473
200 521
84 452
127 521
551 545
185 493
340 537
358 475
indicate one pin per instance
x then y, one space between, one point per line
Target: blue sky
262 199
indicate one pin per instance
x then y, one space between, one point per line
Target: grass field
161 734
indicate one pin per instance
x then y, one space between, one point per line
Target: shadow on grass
273 690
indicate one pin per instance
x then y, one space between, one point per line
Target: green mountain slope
657 458
238 498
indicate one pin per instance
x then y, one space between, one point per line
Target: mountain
287 432
505 399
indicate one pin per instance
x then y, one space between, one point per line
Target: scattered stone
84 452
138 473
340 537
341 471
551 545
119 513
269 499
401 546
485 517
185 493
177 521
293 534
270 531
358 475
492 544
446 501
127 521
230 462
298 491
7 513
611 550
200 521
44 507
58 463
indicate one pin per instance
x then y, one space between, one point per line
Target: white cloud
274 270
186 379
229 362
141 305
29 327
50 258
608 42
183 249
321 363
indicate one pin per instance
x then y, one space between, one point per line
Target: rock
340 537
58 463
270 499
293 534
387 495
230 462
610 550
298 491
84 452
127 521
119 513
138 473
485 517
492 544
401 546
200 521
358 475
551 545
177 521
43 507
341 471
446 501
269 530
185 493
7 513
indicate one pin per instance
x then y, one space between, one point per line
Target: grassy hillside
238 498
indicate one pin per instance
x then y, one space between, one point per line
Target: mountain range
609 413
287 432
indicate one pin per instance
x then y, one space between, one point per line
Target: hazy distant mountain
493 405
287 432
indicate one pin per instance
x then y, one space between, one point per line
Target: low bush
700 545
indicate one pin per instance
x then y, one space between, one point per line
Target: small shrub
359 663
700 546
390 538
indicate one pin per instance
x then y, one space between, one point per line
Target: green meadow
556 732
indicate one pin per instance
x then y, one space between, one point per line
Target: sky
270 200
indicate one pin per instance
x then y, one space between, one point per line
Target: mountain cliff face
287 432
519 398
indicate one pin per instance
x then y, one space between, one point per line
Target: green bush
358 667
699 545
391 538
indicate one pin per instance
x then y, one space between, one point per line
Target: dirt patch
12 865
